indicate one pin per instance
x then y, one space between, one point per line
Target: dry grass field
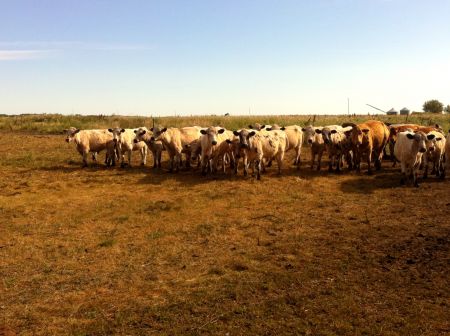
133 251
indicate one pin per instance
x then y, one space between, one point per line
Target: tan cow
88 141
435 154
294 135
409 150
369 140
315 140
214 147
259 146
177 141
124 138
156 147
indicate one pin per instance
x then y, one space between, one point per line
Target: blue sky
213 57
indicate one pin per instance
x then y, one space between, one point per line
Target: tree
433 106
447 109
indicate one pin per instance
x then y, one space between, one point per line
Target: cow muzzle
309 141
422 150
214 143
135 141
67 140
431 149
115 140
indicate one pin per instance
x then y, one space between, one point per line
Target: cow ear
348 133
110 130
333 131
250 126
135 131
365 130
430 136
122 130
203 132
221 130
151 129
438 139
252 133
163 130
76 131
318 131
282 128
410 136
236 133
228 141
268 129
303 129
262 127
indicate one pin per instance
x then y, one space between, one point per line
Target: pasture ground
133 251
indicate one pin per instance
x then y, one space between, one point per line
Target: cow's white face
420 140
116 133
70 133
431 144
310 133
211 134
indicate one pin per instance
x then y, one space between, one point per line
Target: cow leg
280 157
331 162
158 155
85 159
369 162
257 163
205 160
297 159
143 156
245 166
269 164
319 160
313 156
94 156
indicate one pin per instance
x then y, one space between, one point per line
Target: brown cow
368 139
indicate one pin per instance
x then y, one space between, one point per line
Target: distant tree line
435 106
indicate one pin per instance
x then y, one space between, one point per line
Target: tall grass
55 123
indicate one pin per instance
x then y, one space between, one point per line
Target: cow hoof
402 181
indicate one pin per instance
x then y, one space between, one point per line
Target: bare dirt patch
102 251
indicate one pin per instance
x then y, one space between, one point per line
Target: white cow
214 147
177 141
156 147
88 141
259 146
408 150
124 139
435 154
315 140
294 140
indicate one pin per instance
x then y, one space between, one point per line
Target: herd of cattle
258 145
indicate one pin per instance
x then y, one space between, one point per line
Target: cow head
70 133
359 135
158 133
116 133
256 126
211 134
431 141
310 133
141 134
326 134
244 136
420 140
